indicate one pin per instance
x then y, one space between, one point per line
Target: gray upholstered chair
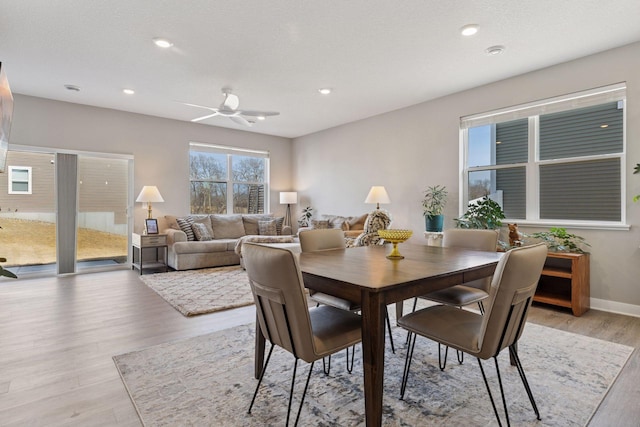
471 292
326 239
512 288
285 319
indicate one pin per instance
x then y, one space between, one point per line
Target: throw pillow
267 228
171 222
250 222
279 223
207 223
201 231
185 225
227 226
320 224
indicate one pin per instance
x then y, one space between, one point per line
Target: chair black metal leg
304 393
442 364
486 383
293 383
353 356
514 355
326 366
460 355
504 400
407 364
481 307
386 314
415 304
264 368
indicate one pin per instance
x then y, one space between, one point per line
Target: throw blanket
261 239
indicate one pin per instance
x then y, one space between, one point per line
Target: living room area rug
208 381
201 291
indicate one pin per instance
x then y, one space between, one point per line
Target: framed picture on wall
152 226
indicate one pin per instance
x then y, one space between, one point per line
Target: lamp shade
149 193
288 197
377 195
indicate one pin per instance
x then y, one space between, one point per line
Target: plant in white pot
433 203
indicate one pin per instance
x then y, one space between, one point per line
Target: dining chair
470 292
285 319
484 336
327 239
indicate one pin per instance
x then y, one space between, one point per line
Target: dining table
366 276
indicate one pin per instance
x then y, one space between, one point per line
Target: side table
158 242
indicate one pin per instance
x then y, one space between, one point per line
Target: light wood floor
58 336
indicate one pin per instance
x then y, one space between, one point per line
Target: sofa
200 241
359 230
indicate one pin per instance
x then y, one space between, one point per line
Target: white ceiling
377 55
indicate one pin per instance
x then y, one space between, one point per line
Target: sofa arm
287 230
174 236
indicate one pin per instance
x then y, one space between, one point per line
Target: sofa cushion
267 228
250 222
227 226
218 245
171 222
206 221
357 222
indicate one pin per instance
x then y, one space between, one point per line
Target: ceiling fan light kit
229 108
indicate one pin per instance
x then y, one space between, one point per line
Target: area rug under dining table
201 291
208 381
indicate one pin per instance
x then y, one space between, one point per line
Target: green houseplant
306 215
433 203
486 213
558 240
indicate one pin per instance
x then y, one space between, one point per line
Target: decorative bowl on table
395 236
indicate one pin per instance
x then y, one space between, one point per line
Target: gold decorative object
395 236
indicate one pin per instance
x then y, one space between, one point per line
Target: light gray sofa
185 252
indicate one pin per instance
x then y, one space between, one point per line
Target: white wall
160 146
409 149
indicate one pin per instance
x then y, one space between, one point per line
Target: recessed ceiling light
72 87
469 30
163 43
495 50
324 91
129 91
604 126
260 117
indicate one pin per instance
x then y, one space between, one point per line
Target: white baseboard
615 307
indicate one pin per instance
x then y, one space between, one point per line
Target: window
557 161
19 179
227 180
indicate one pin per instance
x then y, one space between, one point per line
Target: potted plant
433 203
486 213
558 240
307 213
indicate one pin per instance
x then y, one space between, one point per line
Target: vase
434 223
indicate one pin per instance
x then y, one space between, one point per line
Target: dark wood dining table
364 275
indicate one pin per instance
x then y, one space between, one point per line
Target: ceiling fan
229 108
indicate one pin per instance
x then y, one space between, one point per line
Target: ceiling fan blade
241 120
198 119
200 106
259 113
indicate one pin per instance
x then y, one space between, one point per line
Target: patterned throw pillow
201 232
279 222
185 225
267 228
320 224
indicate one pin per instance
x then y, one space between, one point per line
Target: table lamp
377 195
148 195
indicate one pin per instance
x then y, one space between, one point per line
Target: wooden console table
565 282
